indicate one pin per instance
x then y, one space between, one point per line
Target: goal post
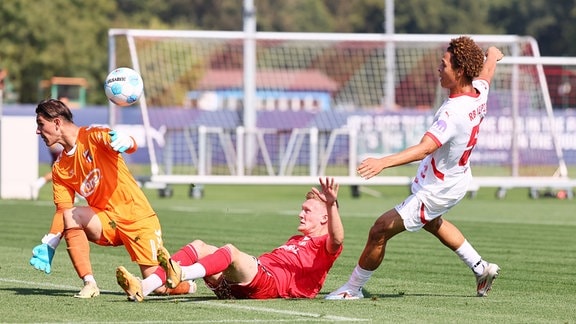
322 103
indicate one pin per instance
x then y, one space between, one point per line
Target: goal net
322 102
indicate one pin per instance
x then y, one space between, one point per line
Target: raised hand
329 192
120 142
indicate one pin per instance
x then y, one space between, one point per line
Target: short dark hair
52 108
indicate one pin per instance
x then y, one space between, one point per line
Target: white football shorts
416 214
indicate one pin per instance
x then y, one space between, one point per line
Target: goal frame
560 178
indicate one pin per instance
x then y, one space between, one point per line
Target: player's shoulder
481 85
297 237
321 239
96 128
93 132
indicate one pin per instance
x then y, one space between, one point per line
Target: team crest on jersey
90 183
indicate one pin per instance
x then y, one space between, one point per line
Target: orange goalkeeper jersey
99 174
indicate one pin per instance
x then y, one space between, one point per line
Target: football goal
286 108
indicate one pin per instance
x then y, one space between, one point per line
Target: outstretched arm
335 227
373 166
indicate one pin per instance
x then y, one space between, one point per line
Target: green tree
444 17
42 39
552 24
293 16
365 16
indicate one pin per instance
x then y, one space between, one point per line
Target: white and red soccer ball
124 86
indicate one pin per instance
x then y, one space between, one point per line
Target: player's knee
233 252
379 231
79 217
202 247
377 235
230 247
68 216
198 244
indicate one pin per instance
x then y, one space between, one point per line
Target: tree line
42 39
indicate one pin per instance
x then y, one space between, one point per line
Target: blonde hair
313 195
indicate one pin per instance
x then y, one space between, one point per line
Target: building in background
276 90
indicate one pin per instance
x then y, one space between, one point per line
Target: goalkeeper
118 212
297 269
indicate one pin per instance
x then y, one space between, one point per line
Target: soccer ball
123 86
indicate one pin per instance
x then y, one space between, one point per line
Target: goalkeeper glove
43 254
120 142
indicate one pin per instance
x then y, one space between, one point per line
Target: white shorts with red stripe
416 213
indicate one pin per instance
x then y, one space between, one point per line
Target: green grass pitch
420 281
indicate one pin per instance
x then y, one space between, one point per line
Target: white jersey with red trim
443 177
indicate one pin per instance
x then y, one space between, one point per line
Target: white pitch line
285 312
44 284
214 304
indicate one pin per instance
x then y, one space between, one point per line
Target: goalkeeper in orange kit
118 212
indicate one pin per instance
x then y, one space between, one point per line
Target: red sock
161 274
186 256
217 261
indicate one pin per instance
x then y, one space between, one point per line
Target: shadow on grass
51 292
192 298
375 296
178 299
399 295
20 291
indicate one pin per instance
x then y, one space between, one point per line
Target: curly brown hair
467 56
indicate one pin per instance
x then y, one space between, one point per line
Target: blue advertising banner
378 133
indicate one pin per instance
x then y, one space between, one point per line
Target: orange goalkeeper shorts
141 238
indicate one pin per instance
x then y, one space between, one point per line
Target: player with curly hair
444 173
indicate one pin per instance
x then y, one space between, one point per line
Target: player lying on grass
297 269
118 212
444 173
